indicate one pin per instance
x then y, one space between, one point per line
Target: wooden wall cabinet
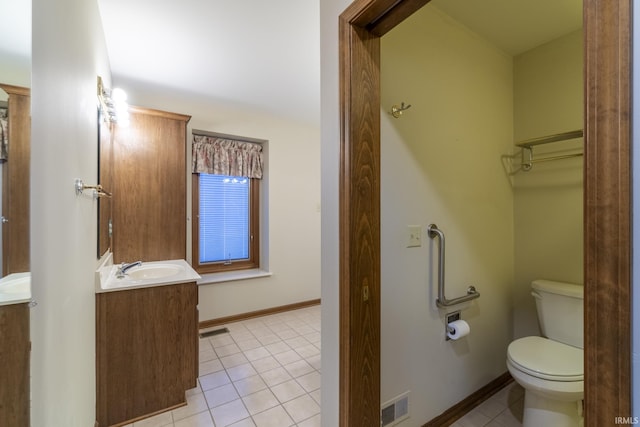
15 351
150 187
146 351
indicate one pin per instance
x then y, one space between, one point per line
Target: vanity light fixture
119 98
113 103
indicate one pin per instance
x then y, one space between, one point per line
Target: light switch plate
414 236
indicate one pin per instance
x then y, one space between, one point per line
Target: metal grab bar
442 301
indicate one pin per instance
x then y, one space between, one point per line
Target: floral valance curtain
4 133
221 156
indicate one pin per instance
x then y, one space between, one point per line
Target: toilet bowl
550 367
552 375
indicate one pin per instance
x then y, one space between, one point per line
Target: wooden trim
15 90
607 27
393 17
159 113
195 220
359 270
458 410
205 324
607 210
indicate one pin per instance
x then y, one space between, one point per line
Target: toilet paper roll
458 329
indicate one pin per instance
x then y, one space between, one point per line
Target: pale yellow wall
548 98
441 163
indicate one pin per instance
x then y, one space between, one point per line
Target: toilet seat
547 359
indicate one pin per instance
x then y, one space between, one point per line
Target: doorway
606 207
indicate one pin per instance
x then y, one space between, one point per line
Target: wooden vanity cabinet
147 351
15 350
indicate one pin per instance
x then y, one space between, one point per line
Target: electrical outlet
414 237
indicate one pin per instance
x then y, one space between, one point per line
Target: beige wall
548 99
441 163
14 74
291 190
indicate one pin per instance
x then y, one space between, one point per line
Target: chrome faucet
122 270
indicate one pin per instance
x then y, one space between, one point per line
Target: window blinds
224 218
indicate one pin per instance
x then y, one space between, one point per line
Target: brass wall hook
397 111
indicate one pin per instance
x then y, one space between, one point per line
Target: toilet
550 368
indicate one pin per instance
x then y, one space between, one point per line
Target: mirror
15 79
105 159
15 140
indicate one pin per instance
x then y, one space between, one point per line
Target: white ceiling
15 28
263 54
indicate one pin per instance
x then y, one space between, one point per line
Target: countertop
15 288
106 280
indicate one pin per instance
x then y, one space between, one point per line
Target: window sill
231 276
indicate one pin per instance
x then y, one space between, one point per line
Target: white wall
292 189
441 163
330 161
68 55
548 88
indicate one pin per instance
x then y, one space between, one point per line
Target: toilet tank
560 311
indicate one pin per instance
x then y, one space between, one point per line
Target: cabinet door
15 351
145 350
150 187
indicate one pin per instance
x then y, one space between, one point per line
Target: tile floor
503 409
264 372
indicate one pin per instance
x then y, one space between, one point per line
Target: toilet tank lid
561 288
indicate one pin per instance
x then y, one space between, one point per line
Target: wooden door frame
607 209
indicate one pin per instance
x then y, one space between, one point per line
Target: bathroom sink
155 271
15 288
149 273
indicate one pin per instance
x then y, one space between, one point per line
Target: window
226 201
226 222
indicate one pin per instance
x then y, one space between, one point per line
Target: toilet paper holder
451 317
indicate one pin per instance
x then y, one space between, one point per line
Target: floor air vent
395 410
206 334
